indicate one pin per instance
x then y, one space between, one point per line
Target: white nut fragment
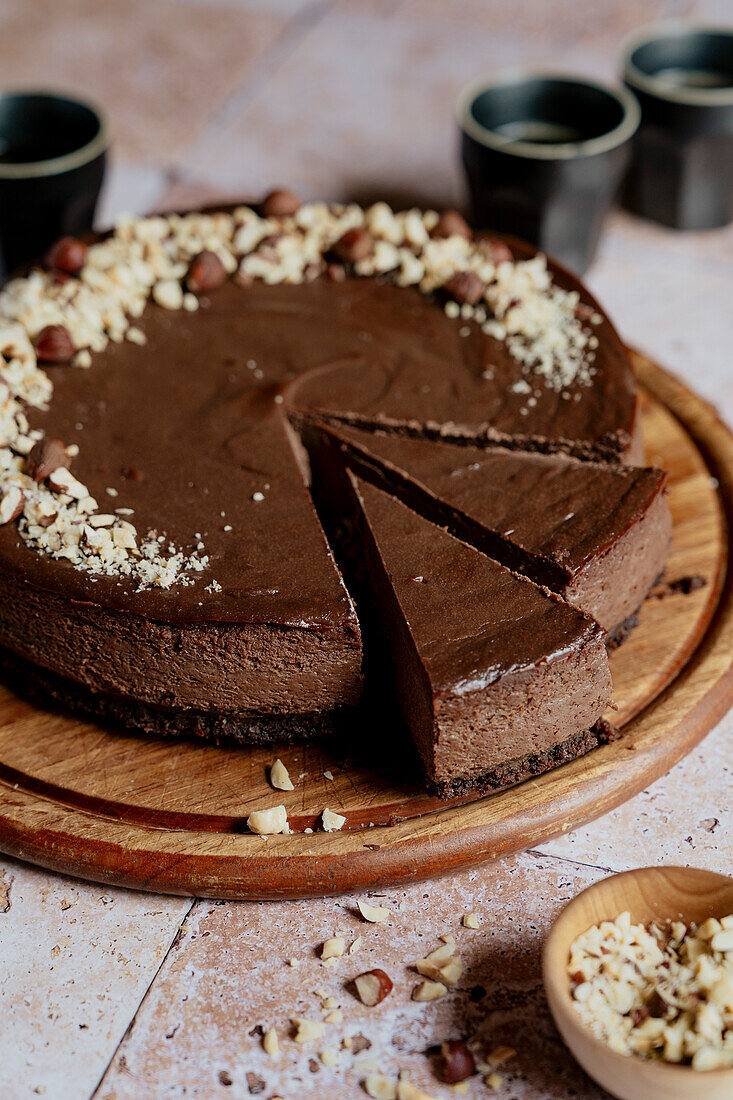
329 1057
723 940
270 1042
63 481
471 920
375 914
441 965
124 536
372 987
11 504
168 293
500 1055
379 1087
280 777
407 1091
429 991
268 822
333 948
331 821
306 1030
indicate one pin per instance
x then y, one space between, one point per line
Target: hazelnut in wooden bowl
638 972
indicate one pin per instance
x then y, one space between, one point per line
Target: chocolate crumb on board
683 586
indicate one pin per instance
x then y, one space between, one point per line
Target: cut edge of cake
610 582
487 711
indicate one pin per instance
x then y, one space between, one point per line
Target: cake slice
497 678
599 534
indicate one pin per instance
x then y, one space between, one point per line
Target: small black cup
682 171
52 158
544 155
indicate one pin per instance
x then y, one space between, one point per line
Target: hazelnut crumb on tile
374 914
499 1055
379 1087
270 1042
306 1030
429 991
333 947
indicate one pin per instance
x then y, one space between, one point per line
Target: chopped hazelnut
270 1042
280 777
458 1063
429 991
375 914
307 1030
372 987
11 505
407 1091
379 1087
333 947
331 821
268 822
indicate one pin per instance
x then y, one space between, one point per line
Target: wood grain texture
648 893
170 816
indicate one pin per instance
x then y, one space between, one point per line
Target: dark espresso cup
544 155
682 170
52 158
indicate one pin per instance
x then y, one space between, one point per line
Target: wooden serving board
170 816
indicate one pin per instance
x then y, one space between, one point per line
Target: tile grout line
566 859
174 940
295 30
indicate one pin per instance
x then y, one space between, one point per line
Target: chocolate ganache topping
207 333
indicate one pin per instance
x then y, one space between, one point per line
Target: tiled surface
75 962
161 69
228 973
342 98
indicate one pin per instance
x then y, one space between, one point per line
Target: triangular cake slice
497 678
599 534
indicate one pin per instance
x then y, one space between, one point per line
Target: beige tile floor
116 995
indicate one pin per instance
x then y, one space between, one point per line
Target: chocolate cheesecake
161 560
599 534
494 674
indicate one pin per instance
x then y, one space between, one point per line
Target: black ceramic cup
682 170
544 155
52 158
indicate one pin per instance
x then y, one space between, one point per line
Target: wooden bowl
649 893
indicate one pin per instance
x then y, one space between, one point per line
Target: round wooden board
170 816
